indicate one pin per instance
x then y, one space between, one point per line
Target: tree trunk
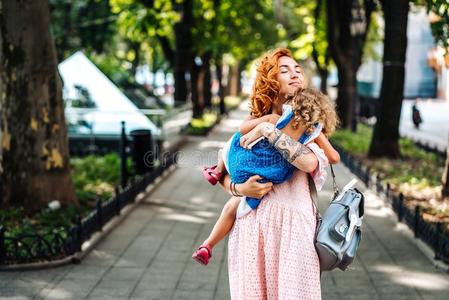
221 88
347 26
197 103
226 79
234 78
346 94
207 80
322 70
34 154
199 85
183 50
323 81
385 140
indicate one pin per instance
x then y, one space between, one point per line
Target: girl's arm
250 122
332 155
294 152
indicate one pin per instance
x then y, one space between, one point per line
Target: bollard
123 167
142 151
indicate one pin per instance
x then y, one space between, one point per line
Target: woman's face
290 77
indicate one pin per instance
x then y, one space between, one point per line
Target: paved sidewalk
148 255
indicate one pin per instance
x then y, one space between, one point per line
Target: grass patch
354 143
232 102
94 177
201 126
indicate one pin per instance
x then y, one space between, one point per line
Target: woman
271 249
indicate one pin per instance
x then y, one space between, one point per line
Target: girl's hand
332 155
256 134
253 188
320 138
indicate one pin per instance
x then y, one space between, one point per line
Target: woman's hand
253 188
256 134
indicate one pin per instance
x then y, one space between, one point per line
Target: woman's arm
294 152
250 188
332 155
250 122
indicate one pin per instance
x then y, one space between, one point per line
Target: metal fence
434 234
60 243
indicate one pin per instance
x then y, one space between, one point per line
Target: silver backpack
338 231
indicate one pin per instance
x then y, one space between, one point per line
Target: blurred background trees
202 49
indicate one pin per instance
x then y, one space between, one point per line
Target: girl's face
290 77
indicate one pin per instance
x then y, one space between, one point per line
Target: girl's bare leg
220 230
224 222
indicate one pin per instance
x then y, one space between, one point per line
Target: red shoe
203 254
212 175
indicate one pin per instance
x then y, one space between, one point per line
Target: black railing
60 243
433 234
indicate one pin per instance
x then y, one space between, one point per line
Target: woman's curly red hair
266 87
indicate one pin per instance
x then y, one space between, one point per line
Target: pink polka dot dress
271 250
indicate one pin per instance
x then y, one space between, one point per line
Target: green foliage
374 38
232 102
82 24
140 20
201 126
355 143
243 30
95 177
219 27
19 222
302 30
115 68
440 24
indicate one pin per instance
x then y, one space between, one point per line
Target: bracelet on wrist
230 188
236 192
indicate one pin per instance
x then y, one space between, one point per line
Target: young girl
267 162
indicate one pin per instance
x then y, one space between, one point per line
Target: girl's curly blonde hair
266 87
310 107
